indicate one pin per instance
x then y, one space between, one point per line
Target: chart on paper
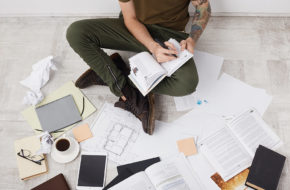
115 131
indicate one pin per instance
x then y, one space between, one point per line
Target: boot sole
151 118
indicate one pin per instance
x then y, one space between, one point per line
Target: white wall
110 7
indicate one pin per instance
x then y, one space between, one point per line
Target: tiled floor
256 50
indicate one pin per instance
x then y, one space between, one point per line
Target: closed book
26 167
56 183
266 169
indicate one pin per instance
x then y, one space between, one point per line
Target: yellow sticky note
187 146
82 132
68 88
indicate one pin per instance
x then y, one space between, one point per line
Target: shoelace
130 107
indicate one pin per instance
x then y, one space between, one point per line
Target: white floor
256 50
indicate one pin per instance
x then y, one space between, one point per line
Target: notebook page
182 57
166 176
173 174
252 131
225 153
145 69
138 181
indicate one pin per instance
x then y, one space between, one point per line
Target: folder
69 88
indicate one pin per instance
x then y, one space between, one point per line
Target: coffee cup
63 144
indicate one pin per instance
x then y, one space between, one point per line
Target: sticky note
82 132
187 146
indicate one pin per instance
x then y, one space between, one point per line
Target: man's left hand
188 44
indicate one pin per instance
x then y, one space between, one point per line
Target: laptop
58 114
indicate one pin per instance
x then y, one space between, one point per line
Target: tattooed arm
200 19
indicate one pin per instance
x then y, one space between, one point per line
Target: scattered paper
208 68
230 96
46 143
82 132
184 103
187 146
37 79
114 131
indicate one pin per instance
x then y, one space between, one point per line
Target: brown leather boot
142 107
90 78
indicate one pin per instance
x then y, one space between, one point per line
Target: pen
163 45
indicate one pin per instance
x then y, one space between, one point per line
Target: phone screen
92 170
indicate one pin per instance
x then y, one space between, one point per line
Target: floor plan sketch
115 131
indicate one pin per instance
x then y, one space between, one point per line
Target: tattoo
200 18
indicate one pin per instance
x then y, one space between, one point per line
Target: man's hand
188 44
161 54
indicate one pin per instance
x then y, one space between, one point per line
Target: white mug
63 145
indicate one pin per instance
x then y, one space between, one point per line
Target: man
140 23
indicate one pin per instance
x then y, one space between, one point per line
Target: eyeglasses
37 159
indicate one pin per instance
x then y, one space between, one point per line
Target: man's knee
188 81
78 32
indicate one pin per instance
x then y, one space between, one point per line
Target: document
171 174
208 68
229 96
231 149
114 131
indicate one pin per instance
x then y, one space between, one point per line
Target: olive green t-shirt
171 14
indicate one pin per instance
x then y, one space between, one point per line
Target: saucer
68 156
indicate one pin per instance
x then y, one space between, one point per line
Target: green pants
88 37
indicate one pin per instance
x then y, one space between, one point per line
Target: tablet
92 171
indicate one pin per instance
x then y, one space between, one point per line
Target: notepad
187 146
82 132
28 169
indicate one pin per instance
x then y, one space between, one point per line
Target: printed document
171 174
231 149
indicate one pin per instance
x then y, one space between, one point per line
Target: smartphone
92 171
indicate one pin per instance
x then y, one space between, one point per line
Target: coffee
62 144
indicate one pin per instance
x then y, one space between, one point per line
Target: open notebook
146 72
171 174
231 149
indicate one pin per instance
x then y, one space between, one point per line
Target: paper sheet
30 115
163 142
230 96
115 131
187 146
204 170
37 79
208 68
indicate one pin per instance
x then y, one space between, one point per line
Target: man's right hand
161 54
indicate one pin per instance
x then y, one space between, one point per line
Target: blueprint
115 131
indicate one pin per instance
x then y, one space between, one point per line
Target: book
146 72
174 173
231 149
266 169
58 183
127 170
27 168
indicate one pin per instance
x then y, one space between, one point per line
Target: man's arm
140 32
200 20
